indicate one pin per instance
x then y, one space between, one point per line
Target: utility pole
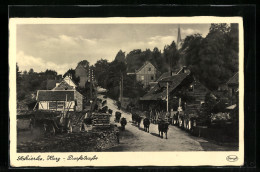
122 85
121 88
90 79
167 97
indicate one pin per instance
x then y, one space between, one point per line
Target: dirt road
134 139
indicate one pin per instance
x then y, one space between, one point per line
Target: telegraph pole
90 80
121 88
167 97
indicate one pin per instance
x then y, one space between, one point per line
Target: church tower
179 41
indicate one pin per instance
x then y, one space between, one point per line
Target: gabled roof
55 95
63 85
159 91
164 75
168 74
70 81
51 84
145 63
233 80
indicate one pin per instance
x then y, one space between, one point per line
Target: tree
120 56
31 71
171 56
101 72
84 63
214 59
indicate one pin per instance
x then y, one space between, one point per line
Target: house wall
69 81
45 105
82 81
233 94
146 74
79 99
80 71
199 92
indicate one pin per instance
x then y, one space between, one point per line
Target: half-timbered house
59 100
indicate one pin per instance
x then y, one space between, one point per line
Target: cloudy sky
62 46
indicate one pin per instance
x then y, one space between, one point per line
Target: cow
146 123
123 123
138 120
110 111
118 116
163 128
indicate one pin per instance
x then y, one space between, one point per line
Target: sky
61 46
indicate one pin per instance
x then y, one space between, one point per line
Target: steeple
179 38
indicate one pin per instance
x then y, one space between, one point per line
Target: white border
212 158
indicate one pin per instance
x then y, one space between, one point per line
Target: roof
164 75
233 80
55 95
159 91
145 63
168 74
51 84
69 81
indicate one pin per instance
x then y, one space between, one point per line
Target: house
83 74
233 89
146 73
183 90
66 84
233 85
157 96
59 100
171 73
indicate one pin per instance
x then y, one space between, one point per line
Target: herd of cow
163 126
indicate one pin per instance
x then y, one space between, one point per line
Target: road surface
135 139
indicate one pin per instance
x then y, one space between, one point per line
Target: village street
135 139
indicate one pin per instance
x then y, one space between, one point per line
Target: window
60 105
149 69
142 77
52 105
151 77
191 88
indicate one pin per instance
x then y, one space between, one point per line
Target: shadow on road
142 129
155 134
